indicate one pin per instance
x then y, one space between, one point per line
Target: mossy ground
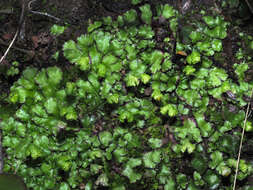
39 39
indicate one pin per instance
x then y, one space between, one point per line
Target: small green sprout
168 11
193 58
57 29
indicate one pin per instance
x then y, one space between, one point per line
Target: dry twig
1 155
29 52
41 13
250 6
240 147
21 20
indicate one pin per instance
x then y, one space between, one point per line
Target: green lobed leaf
64 186
146 13
54 75
105 137
212 179
151 159
71 52
168 11
94 26
182 180
193 58
155 142
51 106
171 109
57 29
216 158
217 76
199 163
34 151
135 2
103 42
131 174
64 162
130 16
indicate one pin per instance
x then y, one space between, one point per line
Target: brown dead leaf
148 91
35 40
7 36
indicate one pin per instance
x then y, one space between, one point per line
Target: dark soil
39 45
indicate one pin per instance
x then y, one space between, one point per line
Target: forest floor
39 45
35 45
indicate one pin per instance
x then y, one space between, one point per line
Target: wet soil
38 44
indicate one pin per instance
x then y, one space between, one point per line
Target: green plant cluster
125 116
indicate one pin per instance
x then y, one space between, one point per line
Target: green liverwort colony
125 116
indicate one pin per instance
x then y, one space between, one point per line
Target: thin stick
29 52
240 148
46 14
249 5
41 13
17 32
1 155
8 49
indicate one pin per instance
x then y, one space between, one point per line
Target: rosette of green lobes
168 11
101 123
78 54
42 95
146 14
134 2
217 27
31 134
